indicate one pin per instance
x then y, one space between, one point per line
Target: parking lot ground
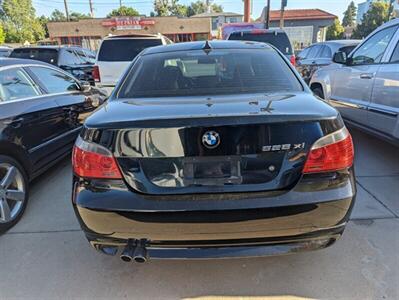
47 257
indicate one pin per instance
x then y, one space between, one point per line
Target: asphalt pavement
47 257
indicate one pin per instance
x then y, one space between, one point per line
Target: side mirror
340 58
85 86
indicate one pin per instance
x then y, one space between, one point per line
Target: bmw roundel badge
211 139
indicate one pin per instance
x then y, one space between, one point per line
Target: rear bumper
310 216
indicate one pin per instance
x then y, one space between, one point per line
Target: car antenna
207 47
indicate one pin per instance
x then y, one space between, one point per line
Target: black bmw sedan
42 109
212 150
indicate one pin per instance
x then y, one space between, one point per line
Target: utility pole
267 19
208 6
91 8
283 5
66 10
120 3
247 11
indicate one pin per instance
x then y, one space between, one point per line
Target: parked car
75 60
364 86
276 37
117 52
41 113
209 150
5 51
320 55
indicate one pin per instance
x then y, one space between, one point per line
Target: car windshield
277 39
224 71
124 49
46 55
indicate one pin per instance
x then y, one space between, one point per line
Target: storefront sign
128 23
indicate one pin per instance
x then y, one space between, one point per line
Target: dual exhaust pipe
135 250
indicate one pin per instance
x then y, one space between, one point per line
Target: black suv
76 60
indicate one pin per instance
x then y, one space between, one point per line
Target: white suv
117 52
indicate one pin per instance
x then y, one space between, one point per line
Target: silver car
364 86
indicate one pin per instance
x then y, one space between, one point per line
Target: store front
89 32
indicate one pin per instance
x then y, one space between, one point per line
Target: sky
103 7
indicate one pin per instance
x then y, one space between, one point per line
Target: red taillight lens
293 60
94 161
96 74
331 153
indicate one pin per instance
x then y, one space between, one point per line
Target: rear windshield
46 55
279 40
124 49
218 72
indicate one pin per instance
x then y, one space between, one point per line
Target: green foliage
57 16
123 11
161 8
2 35
43 20
19 21
76 16
173 8
349 15
199 7
377 15
335 31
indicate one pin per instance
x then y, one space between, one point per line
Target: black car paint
39 131
81 71
308 213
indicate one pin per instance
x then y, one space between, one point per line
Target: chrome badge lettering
272 148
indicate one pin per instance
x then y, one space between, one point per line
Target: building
89 32
363 7
218 19
303 26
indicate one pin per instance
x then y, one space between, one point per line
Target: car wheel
318 92
13 192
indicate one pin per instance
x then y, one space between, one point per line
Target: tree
199 7
377 15
57 16
161 8
335 31
43 20
76 16
19 21
349 15
123 11
2 35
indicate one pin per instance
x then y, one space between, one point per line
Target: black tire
9 160
318 91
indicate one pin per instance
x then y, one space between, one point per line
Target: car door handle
15 123
366 76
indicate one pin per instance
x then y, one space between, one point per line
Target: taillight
90 160
331 153
96 74
293 60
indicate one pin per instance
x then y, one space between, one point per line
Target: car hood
233 109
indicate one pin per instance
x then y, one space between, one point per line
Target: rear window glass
218 72
124 49
279 40
46 55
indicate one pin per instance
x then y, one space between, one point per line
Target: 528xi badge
270 148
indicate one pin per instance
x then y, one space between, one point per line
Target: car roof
258 30
133 36
199 45
6 61
388 24
344 42
52 47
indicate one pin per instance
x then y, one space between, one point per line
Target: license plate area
212 170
